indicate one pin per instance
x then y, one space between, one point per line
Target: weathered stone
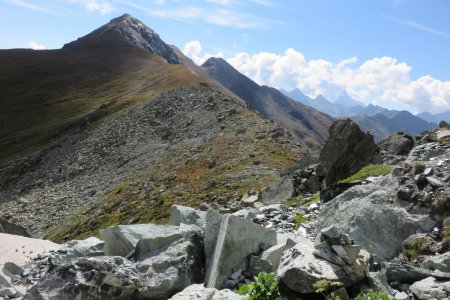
346 151
397 171
170 261
330 232
249 200
398 143
378 282
440 262
89 247
186 215
121 240
258 265
361 212
279 192
442 134
246 213
273 254
10 228
199 292
409 274
12 268
228 241
169 257
429 288
434 182
98 277
401 296
300 269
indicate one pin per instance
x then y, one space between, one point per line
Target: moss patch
367 171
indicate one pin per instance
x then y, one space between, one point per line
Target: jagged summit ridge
133 32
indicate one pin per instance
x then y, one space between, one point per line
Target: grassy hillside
44 93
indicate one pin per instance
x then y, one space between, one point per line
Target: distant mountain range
381 122
307 124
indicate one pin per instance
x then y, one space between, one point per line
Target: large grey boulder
170 262
409 274
98 277
300 268
84 248
121 240
199 292
169 257
229 240
429 288
440 262
372 221
398 143
186 215
282 190
346 151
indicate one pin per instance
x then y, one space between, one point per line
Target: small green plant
416 247
327 288
265 287
300 219
369 295
314 199
367 171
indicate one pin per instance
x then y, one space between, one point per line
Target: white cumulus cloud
35 45
193 50
95 6
381 80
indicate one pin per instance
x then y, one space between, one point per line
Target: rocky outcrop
158 250
398 143
430 288
88 278
346 151
305 264
367 214
279 192
127 29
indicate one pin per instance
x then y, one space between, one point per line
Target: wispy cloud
93 5
418 26
217 16
35 45
30 6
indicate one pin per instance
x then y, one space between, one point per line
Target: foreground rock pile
390 234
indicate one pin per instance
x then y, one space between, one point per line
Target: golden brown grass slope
45 93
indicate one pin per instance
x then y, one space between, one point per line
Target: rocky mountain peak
128 29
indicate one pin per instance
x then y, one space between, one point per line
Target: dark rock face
398 144
10 228
347 150
131 30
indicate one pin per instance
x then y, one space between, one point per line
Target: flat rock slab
300 268
365 213
229 240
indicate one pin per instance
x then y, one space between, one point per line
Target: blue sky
389 52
